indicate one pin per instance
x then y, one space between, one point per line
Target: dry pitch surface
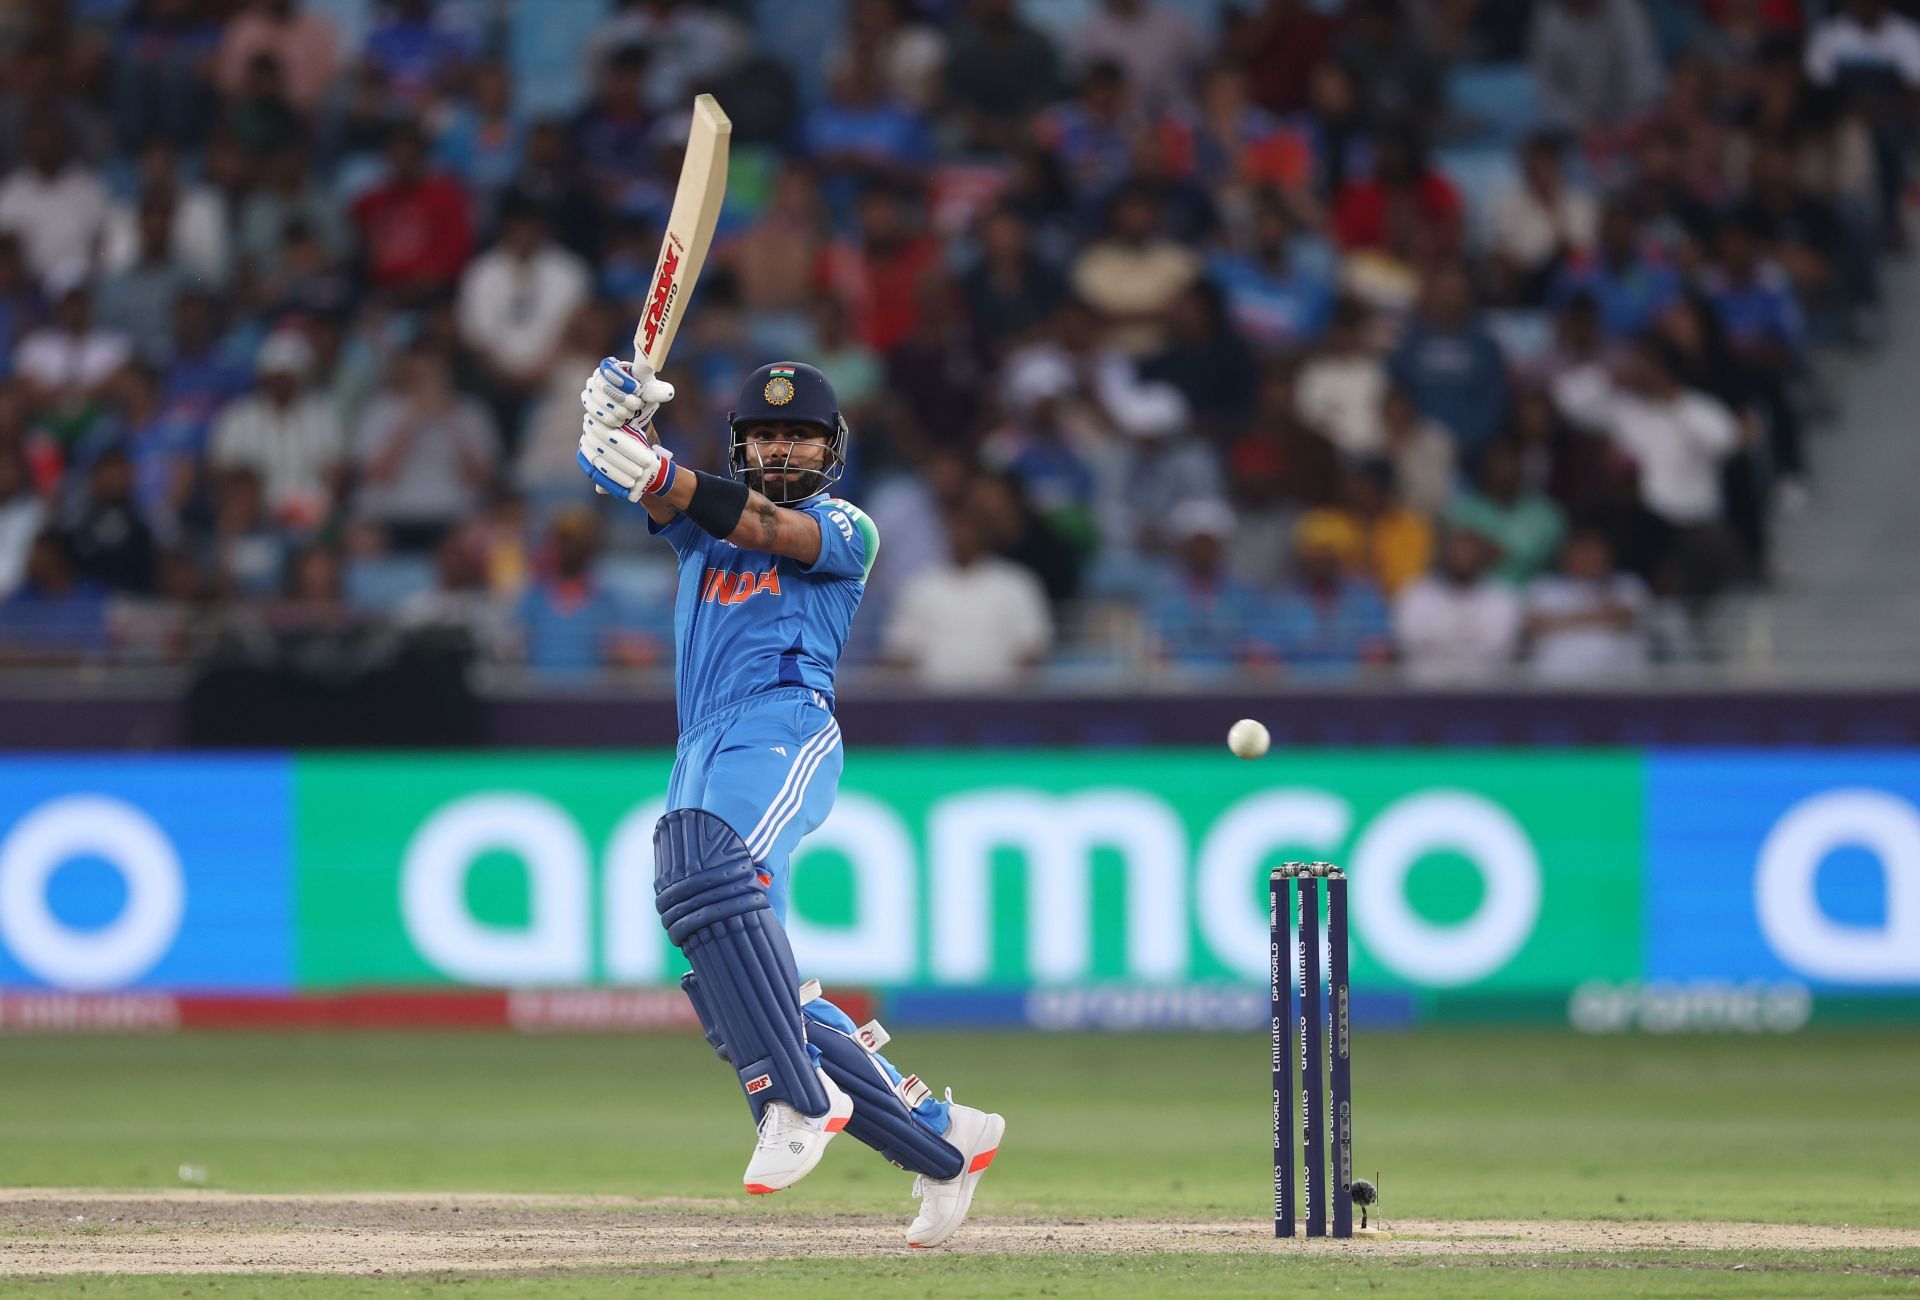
59 1231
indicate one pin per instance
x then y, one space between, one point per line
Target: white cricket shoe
944 1202
791 1144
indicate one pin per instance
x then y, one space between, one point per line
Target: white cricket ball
1248 739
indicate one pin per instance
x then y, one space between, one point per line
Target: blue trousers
769 767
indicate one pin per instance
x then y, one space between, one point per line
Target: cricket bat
683 251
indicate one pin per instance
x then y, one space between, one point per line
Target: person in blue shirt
771 572
1631 284
1451 364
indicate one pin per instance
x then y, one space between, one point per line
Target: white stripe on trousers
793 789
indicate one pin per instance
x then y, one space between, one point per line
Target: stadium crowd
1287 339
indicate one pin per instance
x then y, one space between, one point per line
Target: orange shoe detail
760 1189
835 1125
982 1160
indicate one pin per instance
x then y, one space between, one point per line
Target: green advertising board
1510 874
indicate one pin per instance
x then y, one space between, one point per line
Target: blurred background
1504 400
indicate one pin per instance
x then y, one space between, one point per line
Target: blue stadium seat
1493 104
546 42
1481 175
384 582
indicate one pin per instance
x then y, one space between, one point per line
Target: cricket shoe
944 1202
791 1144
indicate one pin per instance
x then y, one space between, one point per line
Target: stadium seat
544 40
384 582
1492 104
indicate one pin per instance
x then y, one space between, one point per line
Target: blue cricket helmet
788 392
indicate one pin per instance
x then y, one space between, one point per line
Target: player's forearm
760 526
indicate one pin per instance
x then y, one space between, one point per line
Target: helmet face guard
745 460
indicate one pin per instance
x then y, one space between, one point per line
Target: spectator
974 622
1038 448
50 79
165 449
1281 46
415 51
54 615
1334 127
20 305
543 466
1157 47
859 138
1403 194
460 607
1421 452
1238 143
160 90
1198 614
1542 220
22 515
774 258
1586 623
1010 290
551 179
259 119
890 39
1278 300
570 622
289 193
1207 362
1151 466
1328 622
704 42
54 203
1460 625
249 554
1015 531
856 371
1629 285
479 138
199 220
1760 319
1090 135
1134 275
1451 365
415 226
1524 526
66 362
1399 70
935 373
1341 388
1378 538
426 453
516 299
139 300
880 274
612 131
204 370
1678 439
112 544
1275 470
358 129
1872 57
302 44
999 71
1595 62
286 433
1672 222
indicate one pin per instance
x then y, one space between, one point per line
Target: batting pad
707 891
690 985
880 1119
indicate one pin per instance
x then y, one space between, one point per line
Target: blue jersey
747 622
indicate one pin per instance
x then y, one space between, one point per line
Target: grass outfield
1811 1129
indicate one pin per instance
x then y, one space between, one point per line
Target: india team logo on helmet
779 389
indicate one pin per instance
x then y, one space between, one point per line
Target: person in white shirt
198 222
286 434
973 622
426 453
1340 391
1873 54
1678 438
1460 625
22 515
56 204
516 299
1586 623
66 362
1542 218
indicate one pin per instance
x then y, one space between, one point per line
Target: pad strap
708 893
880 1119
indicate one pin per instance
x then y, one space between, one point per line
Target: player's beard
783 483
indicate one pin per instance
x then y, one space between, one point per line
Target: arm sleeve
849 542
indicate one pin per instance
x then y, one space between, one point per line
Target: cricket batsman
772 569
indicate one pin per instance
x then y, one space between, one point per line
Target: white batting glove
634 466
622 395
